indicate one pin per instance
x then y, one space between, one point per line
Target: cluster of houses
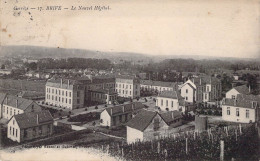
28 121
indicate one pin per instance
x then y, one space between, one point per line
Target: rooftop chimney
16 103
37 118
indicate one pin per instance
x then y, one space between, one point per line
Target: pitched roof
205 80
18 102
170 94
127 108
160 83
29 119
242 100
104 91
242 89
30 94
170 116
2 97
142 120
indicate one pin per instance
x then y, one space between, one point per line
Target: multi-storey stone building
128 86
65 93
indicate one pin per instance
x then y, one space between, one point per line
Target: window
10 130
187 90
228 110
78 101
11 112
13 122
56 91
166 102
25 133
119 85
63 93
4 109
59 92
130 86
237 111
207 88
123 85
123 92
233 97
186 98
66 93
126 86
130 92
205 96
69 101
172 103
52 90
161 102
78 93
135 86
16 132
7 110
70 94
120 118
13 131
247 113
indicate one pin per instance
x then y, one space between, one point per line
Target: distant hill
43 52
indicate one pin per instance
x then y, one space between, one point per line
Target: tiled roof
142 120
118 110
160 83
2 97
30 94
170 116
27 120
18 102
205 80
170 94
242 100
242 89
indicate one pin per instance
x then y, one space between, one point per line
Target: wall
242 114
133 135
105 118
14 126
190 95
231 93
164 106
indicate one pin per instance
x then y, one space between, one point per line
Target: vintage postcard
129 80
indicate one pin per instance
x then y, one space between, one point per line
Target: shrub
105 105
96 107
86 109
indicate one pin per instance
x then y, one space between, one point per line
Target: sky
225 28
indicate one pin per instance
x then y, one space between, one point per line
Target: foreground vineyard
239 143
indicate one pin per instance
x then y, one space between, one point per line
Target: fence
214 144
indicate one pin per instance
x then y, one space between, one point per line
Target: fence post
122 152
186 145
240 129
222 150
158 147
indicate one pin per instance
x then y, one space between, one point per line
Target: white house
28 126
150 125
159 86
188 91
118 115
243 109
13 105
170 101
232 93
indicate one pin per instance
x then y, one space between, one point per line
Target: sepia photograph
121 80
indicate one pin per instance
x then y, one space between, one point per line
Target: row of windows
167 103
237 112
59 99
161 88
59 92
10 110
123 86
13 131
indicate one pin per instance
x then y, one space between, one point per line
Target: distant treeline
70 63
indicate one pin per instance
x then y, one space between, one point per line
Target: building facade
28 126
159 86
170 101
243 109
127 86
119 115
13 105
65 93
232 93
104 96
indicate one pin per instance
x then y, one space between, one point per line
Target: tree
2 66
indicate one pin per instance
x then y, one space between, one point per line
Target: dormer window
237 112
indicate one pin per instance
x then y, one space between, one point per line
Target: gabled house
28 126
243 109
12 105
170 101
232 93
150 125
188 91
118 115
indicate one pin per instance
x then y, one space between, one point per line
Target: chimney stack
16 103
37 118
